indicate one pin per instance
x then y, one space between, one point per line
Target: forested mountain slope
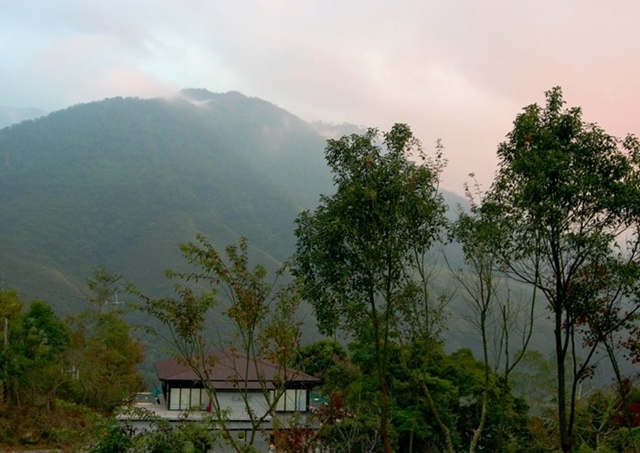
121 182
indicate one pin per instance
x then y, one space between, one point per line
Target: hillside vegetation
439 356
122 181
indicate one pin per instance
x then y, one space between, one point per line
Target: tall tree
358 249
567 196
11 317
104 357
39 354
104 354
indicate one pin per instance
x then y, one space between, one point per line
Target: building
244 394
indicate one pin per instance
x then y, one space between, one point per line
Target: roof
227 368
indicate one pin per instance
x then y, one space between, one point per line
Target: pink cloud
458 70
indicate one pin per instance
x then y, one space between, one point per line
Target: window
185 398
292 400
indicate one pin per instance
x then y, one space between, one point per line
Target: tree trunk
445 431
565 440
384 432
477 433
382 373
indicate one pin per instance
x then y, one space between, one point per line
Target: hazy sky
452 69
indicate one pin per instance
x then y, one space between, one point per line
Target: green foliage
361 248
46 336
112 438
34 356
10 305
497 320
262 313
561 215
263 316
456 383
11 318
602 424
166 437
104 354
360 240
566 199
113 179
53 370
321 357
102 288
63 426
104 359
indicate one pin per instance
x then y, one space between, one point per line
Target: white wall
290 401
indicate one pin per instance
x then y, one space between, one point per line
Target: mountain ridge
120 182
109 180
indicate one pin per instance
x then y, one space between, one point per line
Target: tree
102 288
327 360
104 355
10 315
493 314
567 199
359 248
39 355
264 327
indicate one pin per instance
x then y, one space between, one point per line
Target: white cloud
460 69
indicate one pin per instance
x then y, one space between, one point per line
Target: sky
455 70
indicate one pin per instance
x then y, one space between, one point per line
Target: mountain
121 182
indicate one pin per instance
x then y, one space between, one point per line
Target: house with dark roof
243 393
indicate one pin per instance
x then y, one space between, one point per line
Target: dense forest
62 379
552 245
121 182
